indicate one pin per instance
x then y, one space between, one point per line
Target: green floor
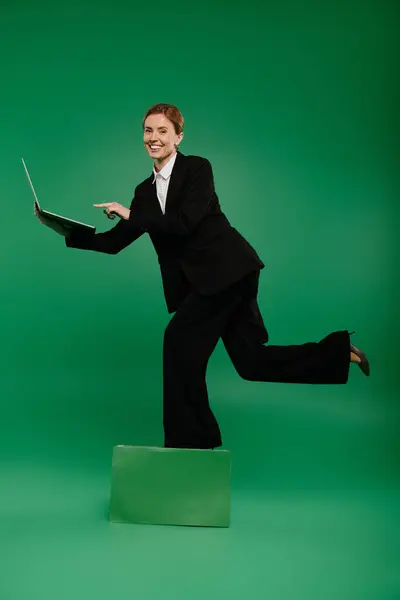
315 519
284 546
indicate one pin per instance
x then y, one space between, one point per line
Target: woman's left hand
113 208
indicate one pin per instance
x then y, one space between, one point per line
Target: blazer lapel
175 184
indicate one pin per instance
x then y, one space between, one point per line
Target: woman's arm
110 242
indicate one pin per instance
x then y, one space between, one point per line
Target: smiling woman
210 276
163 132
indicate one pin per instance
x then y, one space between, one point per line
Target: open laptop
64 220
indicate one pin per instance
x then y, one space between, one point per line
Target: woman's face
160 139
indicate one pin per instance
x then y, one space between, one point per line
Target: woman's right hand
57 227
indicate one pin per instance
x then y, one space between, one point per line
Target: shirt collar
166 170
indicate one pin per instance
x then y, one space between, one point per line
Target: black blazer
197 247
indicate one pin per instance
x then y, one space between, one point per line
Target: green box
170 486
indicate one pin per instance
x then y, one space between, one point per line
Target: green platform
170 486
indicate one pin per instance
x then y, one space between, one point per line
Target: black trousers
233 315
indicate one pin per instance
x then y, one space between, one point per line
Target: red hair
170 111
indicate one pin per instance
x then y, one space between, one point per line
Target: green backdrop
294 105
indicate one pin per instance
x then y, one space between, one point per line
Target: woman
210 275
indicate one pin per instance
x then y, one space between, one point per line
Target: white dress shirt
162 181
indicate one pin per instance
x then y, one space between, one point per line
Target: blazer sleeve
110 242
197 197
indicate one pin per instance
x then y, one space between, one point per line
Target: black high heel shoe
364 364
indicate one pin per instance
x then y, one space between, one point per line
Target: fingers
37 214
110 208
108 213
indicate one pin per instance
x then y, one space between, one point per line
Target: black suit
194 240
210 278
